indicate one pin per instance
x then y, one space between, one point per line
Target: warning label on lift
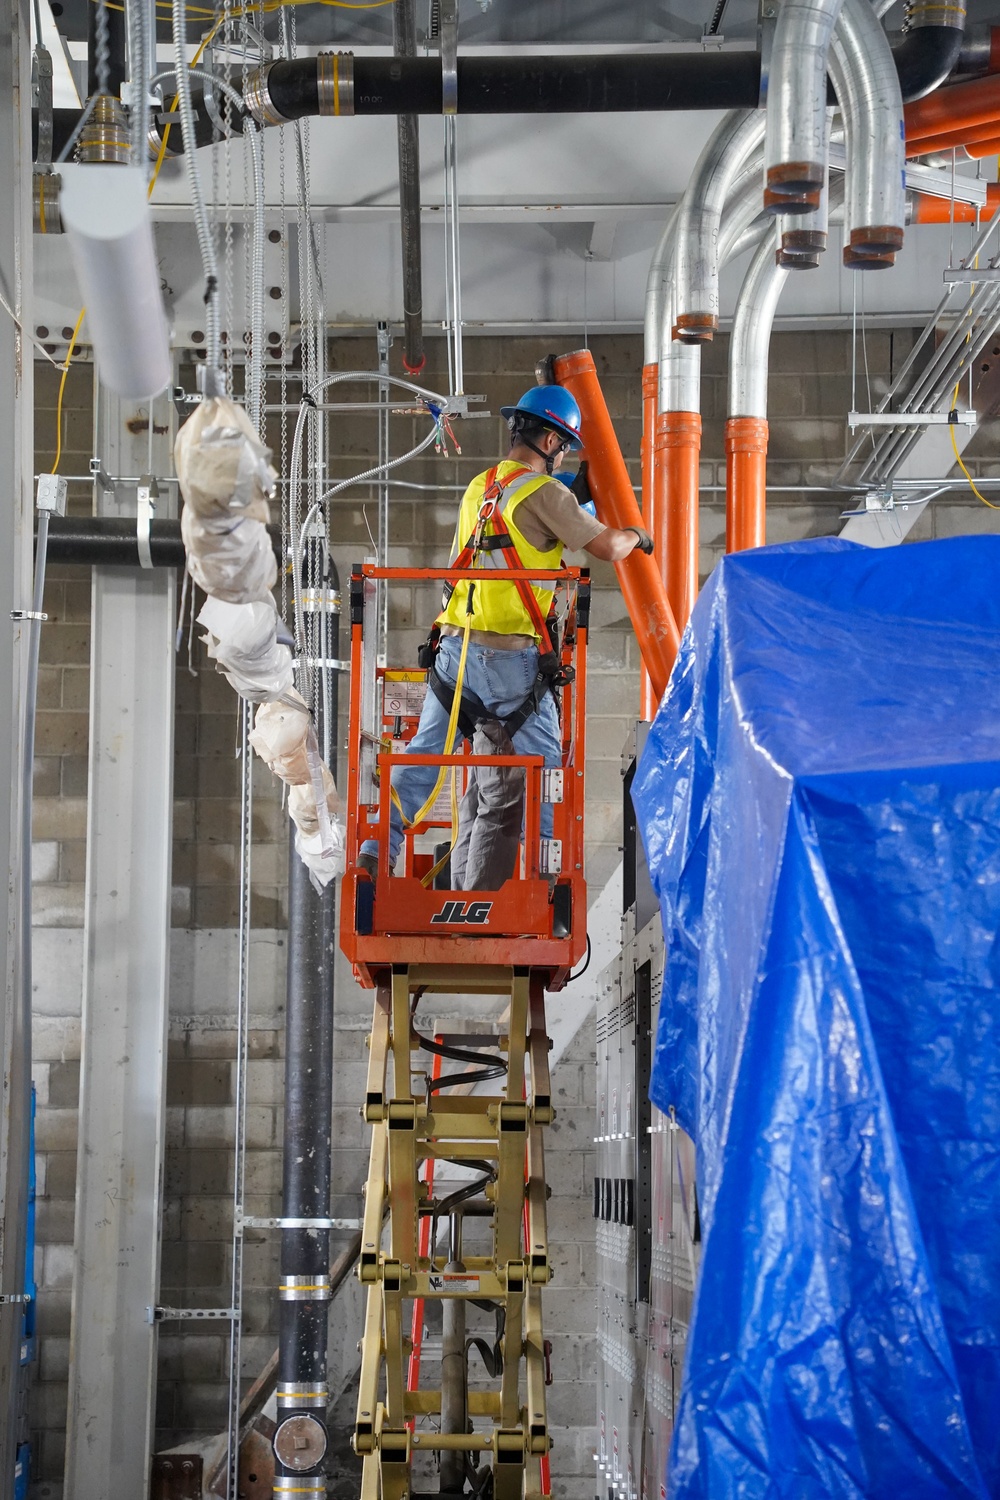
450 1282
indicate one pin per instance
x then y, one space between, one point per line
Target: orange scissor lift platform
407 937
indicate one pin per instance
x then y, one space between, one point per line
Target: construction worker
515 515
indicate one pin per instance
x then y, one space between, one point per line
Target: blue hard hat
554 407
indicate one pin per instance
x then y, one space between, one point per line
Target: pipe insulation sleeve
746 483
867 85
678 447
106 217
796 102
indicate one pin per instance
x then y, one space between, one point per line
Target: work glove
645 543
581 488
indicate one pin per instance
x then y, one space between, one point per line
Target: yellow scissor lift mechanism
491 1442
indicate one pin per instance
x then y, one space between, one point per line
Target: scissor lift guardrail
406 940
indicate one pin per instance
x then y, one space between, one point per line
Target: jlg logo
476 912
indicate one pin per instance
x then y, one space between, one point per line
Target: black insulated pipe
404 38
534 85
301 1437
111 542
925 57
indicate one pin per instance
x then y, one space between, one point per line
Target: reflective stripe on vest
497 607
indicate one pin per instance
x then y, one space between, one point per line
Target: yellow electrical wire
62 387
958 457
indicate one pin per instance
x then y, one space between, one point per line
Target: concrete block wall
810 391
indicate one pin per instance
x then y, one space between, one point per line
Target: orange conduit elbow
746 483
678 448
638 575
650 394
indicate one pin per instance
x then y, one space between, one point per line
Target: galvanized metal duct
871 103
796 103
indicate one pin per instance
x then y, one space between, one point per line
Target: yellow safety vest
498 607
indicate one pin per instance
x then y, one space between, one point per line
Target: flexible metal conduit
796 103
871 105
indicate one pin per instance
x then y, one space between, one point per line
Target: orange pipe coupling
638 575
957 107
650 394
746 483
678 455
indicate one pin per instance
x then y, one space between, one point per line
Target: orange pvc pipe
650 394
977 150
954 108
638 575
928 209
746 483
678 447
948 140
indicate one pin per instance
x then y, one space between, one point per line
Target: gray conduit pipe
695 261
796 104
404 42
871 106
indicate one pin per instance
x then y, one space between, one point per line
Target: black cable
458 1054
586 964
473 1075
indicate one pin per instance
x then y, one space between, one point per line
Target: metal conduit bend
746 426
695 256
871 104
796 103
802 237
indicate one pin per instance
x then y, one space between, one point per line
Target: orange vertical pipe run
638 575
746 483
650 395
678 444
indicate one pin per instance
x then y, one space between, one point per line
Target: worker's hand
645 542
581 487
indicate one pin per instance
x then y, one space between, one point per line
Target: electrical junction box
51 494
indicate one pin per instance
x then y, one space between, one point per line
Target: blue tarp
819 798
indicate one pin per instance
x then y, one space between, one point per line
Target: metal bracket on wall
180 1314
252 1221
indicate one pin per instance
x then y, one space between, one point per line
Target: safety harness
492 534
465 709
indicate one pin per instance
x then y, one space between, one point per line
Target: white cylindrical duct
696 244
106 216
864 76
751 334
796 104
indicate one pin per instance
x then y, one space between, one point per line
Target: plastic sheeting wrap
820 803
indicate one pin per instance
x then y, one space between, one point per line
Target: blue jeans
501 680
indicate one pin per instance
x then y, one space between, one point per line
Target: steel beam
16 401
122 1068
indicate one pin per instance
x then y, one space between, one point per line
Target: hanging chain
283 388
